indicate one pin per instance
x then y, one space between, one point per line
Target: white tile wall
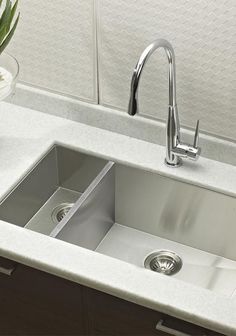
55 45
203 34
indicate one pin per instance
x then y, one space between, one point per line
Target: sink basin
48 192
130 214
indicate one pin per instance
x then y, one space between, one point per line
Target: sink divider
93 214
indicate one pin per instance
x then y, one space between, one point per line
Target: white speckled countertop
25 135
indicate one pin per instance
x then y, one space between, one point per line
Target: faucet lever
196 136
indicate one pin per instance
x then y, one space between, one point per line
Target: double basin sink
139 217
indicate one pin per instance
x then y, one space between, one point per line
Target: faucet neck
172 76
160 43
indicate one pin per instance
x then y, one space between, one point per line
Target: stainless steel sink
49 191
130 214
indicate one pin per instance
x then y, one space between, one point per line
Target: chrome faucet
175 149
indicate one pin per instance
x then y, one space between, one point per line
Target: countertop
25 136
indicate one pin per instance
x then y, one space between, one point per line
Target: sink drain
165 262
61 211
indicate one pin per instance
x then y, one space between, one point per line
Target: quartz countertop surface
25 136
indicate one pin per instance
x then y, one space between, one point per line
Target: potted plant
9 67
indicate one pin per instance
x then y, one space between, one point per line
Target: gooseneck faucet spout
161 43
175 150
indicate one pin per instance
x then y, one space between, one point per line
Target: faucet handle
184 150
194 151
196 136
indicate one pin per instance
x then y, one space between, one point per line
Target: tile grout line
96 48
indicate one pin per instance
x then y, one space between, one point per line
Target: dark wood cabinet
36 303
108 315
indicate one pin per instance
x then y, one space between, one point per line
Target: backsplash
62 45
54 44
203 34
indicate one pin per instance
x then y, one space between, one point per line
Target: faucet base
174 165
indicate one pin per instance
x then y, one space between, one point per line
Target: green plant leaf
13 11
9 36
3 33
6 14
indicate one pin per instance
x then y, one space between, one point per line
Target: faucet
175 149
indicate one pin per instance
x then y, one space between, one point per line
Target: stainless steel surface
93 214
175 149
165 262
105 193
45 219
196 136
7 266
161 327
61 211
60 171
175 210
31 193
199 268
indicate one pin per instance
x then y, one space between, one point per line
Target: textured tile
203 34
55 46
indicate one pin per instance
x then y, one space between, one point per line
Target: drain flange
61 211
165 262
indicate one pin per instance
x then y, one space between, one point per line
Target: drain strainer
165 262
61 211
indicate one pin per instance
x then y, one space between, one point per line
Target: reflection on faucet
175 149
